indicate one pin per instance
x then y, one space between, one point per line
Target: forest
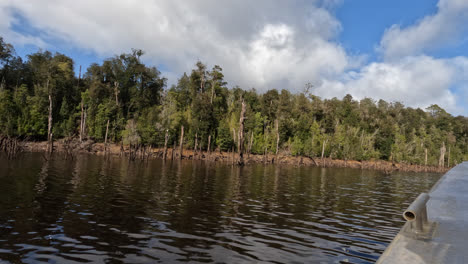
132 102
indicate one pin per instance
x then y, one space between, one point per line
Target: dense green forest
133 99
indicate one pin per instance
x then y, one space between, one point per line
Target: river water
97 209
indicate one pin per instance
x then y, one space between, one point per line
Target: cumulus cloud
263 44
258 43
443 27
417 81
274 59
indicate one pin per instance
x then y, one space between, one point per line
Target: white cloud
259 44
7 19
444 27
415 81
275 60
262 44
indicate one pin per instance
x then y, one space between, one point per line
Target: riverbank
71 148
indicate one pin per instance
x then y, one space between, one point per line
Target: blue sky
414 51
364 21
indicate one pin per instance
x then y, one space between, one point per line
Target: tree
128 100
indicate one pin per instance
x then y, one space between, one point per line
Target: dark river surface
93 209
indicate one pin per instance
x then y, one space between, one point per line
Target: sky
414 52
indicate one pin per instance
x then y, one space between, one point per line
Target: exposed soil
73 147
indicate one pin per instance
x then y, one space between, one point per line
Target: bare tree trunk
442 155
51 143
234 137
84 123
241 134
238 140
323 149
181 145
79 77
116 93
166 137
196 145
425 158
212 91
81 121
49 126
277 137
105 139
209 144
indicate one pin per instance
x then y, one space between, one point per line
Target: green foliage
130 133
132 97
149 127
7 113
297 147
224 140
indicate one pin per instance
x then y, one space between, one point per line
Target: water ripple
95 209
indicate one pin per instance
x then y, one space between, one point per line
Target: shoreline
71 148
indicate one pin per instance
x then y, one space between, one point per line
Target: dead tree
79 77
105 139
425 157
196 145
442 155
84 123
202 82
166 137
277 137
241 134
82 108
181 147
49 126
68 148
51 144
81 121
323 150
209 145
11 146
234 137
212 91
116 93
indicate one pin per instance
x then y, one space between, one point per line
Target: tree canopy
139 106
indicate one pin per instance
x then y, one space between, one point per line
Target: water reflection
108 209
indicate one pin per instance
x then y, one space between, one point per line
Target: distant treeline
131 101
